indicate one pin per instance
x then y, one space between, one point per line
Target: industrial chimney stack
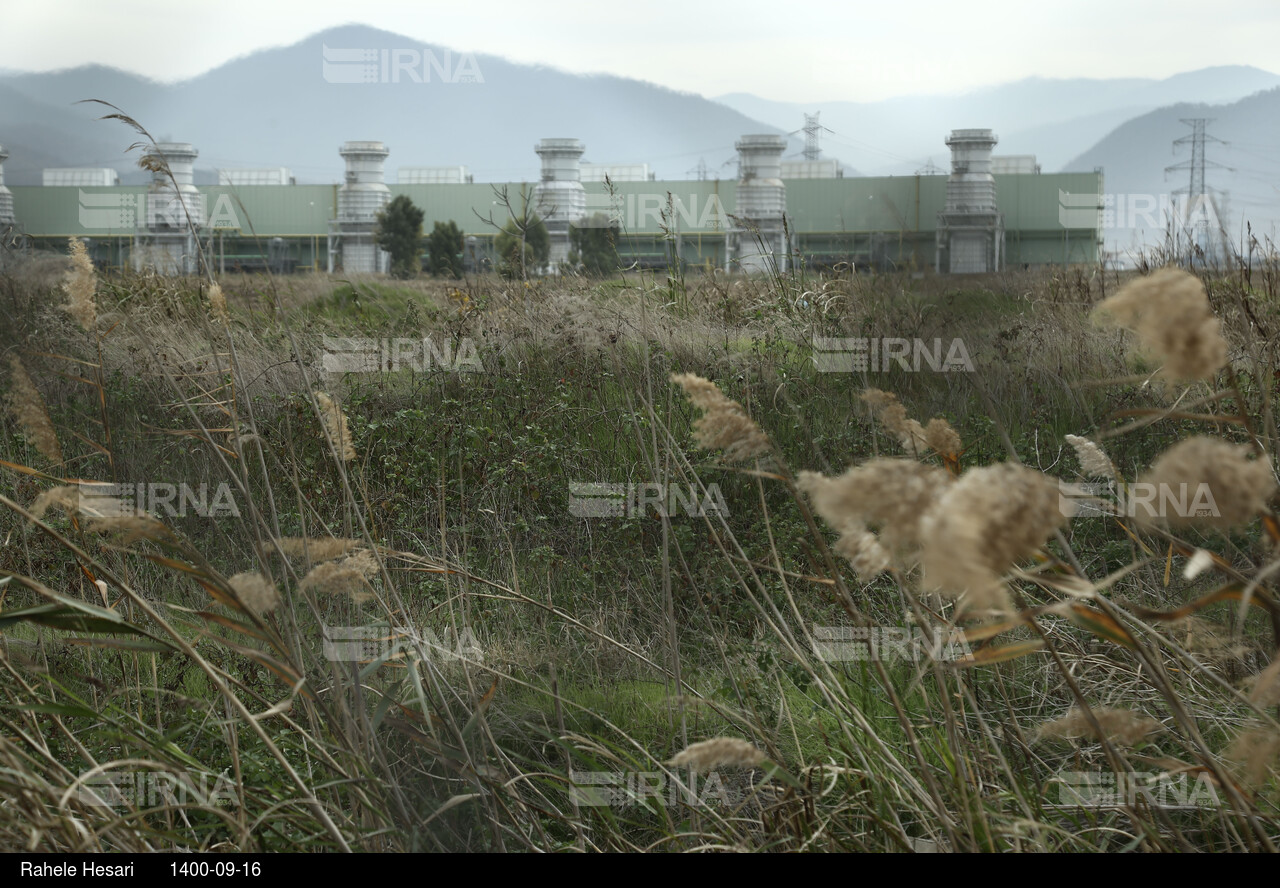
360 199
971 228
762 202
559 199
174 206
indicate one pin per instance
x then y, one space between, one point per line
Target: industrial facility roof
898 203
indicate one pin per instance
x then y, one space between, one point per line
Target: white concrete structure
757 242
6 196
257 176
167 237
360 199
811 169
559 199
617 172
448 175
79 177
970 237
1020 164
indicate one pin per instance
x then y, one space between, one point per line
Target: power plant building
988 214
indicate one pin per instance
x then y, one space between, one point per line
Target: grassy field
505 672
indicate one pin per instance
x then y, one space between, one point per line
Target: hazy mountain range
276 108
1056 120
1242 170
293 106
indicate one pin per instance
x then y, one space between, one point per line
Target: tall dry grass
132 644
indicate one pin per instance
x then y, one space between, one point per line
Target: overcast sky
811 51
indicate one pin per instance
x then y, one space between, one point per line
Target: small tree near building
529 232
444 250
399 232
593 245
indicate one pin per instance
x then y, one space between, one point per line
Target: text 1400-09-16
218 868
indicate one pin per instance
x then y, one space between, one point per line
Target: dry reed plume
916 439
86 500
335 424
724 424
1213 642
350 576
80 285
1094 463
944 440
721 752
64 497
218 303
990 519
104 513
29 410
1264 688
317 548
1118 725
887 494
255 592
130 528
1171 315
1253 755
863 550
1239 487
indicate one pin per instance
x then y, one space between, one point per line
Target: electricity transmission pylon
812 137
1199 201
812 130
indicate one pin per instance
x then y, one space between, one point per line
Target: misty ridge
435 107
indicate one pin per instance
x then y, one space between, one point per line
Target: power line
859 145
